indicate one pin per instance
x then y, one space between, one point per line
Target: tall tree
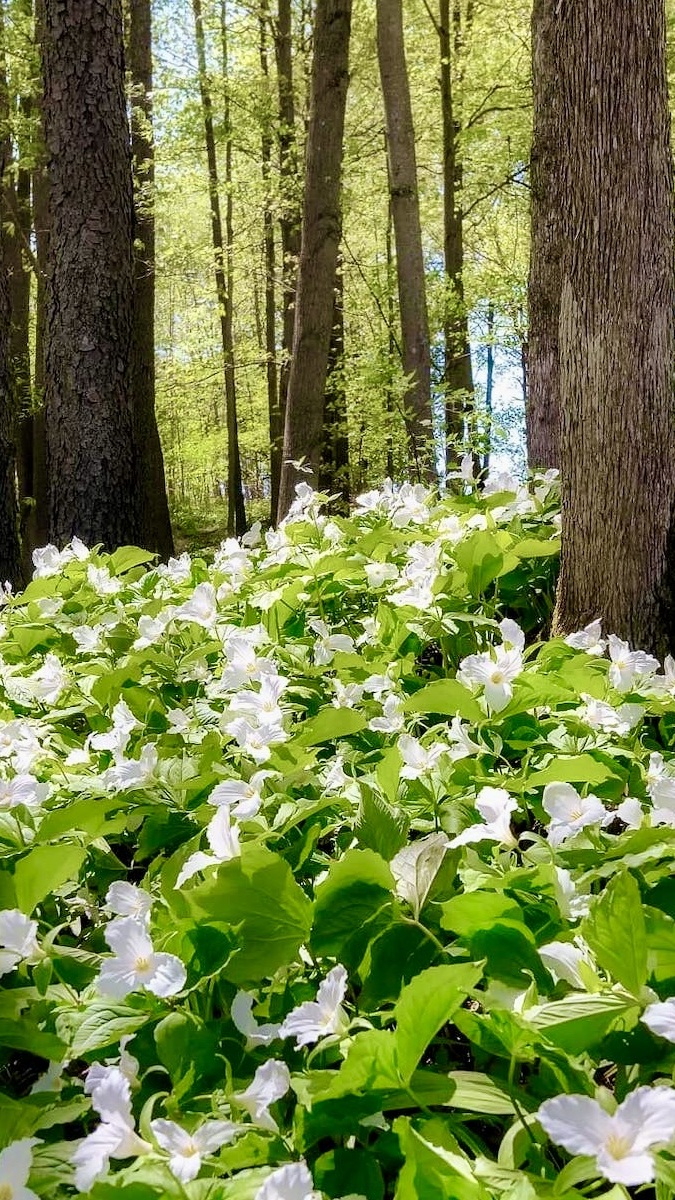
290 212
275 417
90 441
617 436
321 229
407 234
334 468
236 512
155 522
10 551
547 202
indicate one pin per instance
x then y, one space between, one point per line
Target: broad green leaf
434 1167
128 557
660 934
447 697
615 931
379 826
576 1023
475 1092
415 868
103 1024
469 912
353 1171
481 558
257 895
24 1035
424 1006
330 724
575 768
352 906
43 870
88 816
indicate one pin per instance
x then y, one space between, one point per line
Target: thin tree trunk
617 437
36 531
290 216
457 369
10 550
391 345
236 490
236 515
90 442
334 470
155 528
321 229
548 142
489 385
408 235
273 408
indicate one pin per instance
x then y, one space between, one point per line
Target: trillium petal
630 1169
213 1134
168 975
650 1113
576 1122
16 1161
292 1182
660 1018
93 1155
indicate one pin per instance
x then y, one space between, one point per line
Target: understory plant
324 873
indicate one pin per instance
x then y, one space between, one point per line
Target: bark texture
549 136
90 443
617 436
457 369
321 229
290 215
236 513
275 418
334 470
155 522
10 552
407 234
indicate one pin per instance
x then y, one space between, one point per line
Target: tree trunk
155 522
321 228
617 438
407 234
236 514
290 217
90 443
10 552
36 528
334 470
548 142
457 370
489 385
273 408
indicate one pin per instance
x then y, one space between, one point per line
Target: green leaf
576 1023
481 558
103 1024
424 1006
576 768
257 895
475 1092
329 724
43 870
355 1171
447 697
615 931
378 826
415 868
469 912
660 933
352 906
434 1167
127 557
24 1035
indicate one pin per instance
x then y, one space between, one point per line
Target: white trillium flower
201 608
660 1018
600 715
572 905
513 637
130 774
347 695
116 739
49 681
494 671
243 799
50 1081
318 1018
243 1020
136 965
496 806
255 740
630 812
262 706
222 834
186 1150
18 940
99 1073
292 1182
102 581
628 665
328 644
418 759
622 1143
391 720
589 639
379 573
461 745
22 789
566 960
16 1161
115 1137
126 900
570 812
270 1082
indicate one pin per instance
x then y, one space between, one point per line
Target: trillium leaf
481 558
257 895
330 724
353 905
342 1171
470 912
380 827
103 1024
616 933
576 1023
424 1006
434 1166
573 768
447 697
43 870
